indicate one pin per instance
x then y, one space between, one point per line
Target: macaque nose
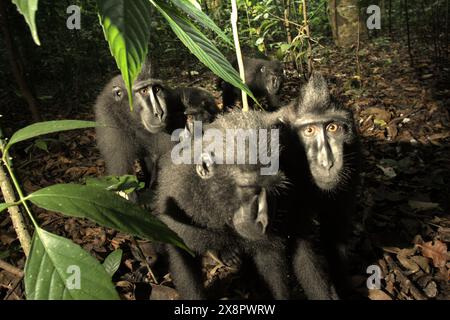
158 112
252 219
262 218
326 159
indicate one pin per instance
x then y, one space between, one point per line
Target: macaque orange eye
144 91
309 131
333 127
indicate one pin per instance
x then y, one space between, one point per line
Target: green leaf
193 9
112 262
126 26
28 9
58 269
46 127
127 183
106 208
201 47
41 144
4 206
380 122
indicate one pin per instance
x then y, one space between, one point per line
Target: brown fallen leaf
411 89
163 293
119 240
437 251
377 294
444 234
7 239
418 239
407 252
391 249
379 113
439 136
392 130
124 284
408 263
422 262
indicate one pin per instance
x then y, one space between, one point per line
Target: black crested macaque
264 79
124 136
223 207
322 163
199 105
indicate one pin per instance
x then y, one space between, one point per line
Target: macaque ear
315 92
263 69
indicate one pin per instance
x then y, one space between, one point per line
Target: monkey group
267 221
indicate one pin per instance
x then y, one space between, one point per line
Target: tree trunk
406 8
446 28
287 10
344 19
18 76
390 18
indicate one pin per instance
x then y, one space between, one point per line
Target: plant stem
234 16
16 216
22 198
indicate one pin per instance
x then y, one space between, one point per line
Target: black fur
121 136
329 198
125 136
202 210
198 103
264 79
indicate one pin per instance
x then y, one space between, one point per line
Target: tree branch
16 216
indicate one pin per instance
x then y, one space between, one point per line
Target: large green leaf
106 208
112 262
28 9
126 183
58 269
126 25
192 9
46 127
201 47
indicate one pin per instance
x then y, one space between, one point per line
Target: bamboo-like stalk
234 17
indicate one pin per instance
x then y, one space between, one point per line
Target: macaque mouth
325 179
252 218
157 122
154 125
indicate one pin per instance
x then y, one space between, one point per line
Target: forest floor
403 219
